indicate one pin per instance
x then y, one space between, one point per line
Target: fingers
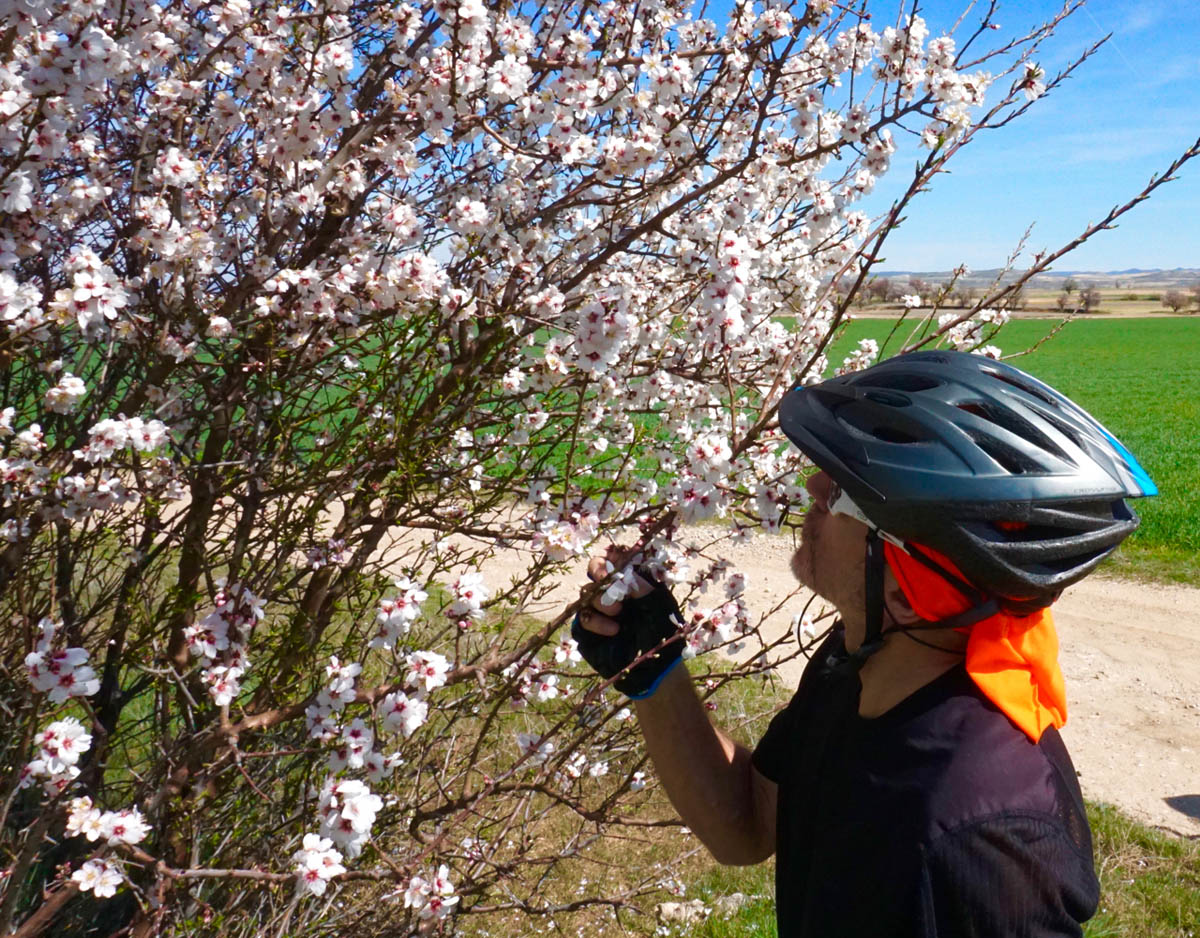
596 622
597 568
608 609
641 586
614 557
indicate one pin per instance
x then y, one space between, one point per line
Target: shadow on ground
1185 804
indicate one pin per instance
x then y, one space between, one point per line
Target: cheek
800 563
843 548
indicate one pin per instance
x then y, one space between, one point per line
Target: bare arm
708 777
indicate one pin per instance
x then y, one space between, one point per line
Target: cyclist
916 784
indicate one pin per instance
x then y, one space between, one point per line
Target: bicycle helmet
1021 488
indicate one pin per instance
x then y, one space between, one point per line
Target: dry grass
659 862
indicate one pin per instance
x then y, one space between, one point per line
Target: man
916 785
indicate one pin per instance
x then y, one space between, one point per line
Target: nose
819 486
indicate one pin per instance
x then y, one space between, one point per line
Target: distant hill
1052 280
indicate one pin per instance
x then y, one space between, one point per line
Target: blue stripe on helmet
1140 475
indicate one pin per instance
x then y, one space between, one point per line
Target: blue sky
1093 142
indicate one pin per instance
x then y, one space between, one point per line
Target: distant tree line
1179 300
885 291
1072 295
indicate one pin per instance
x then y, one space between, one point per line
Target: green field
1141 379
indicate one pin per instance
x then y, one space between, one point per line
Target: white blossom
98 877
16 194
63 672
433 898
124 827
347 810
545 688
469 216
60 745
339 690
538 752
317 862
396 615
427 670
402 713
567 652
469 593
172 168
64 396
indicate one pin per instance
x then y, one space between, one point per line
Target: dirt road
1130 657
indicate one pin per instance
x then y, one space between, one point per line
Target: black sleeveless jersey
938 818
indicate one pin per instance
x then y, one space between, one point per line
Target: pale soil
1131 660
1110 311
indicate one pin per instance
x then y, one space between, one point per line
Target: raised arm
709 778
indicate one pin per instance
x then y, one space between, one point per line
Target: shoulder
972 762
1007 840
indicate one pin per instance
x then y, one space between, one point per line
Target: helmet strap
852 662
873 638
965 588
984 605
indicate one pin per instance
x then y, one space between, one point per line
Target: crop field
1113 301
1139 377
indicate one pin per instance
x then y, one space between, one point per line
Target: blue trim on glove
577 623
658 680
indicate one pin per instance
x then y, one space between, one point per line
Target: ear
896 603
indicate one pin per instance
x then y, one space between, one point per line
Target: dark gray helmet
1020 487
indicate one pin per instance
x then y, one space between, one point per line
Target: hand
611 636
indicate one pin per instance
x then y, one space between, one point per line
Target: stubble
803 562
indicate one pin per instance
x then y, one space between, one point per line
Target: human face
832 553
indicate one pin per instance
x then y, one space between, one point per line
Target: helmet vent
1009 458
1015 424
900 381
894 435
1086 559
1032 533
1062 427
1021 386
889 398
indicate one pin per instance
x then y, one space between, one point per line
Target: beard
803 562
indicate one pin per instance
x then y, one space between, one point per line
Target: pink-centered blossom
173 168
317 862
433 898
98 877
469 216
401 713
65 395
347 809
470 593
427 670
61 672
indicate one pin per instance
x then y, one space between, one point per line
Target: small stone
725 906
684 912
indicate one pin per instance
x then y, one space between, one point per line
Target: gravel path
1130 654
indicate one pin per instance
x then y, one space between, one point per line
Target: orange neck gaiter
1012 659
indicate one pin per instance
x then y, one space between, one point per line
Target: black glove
645 621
